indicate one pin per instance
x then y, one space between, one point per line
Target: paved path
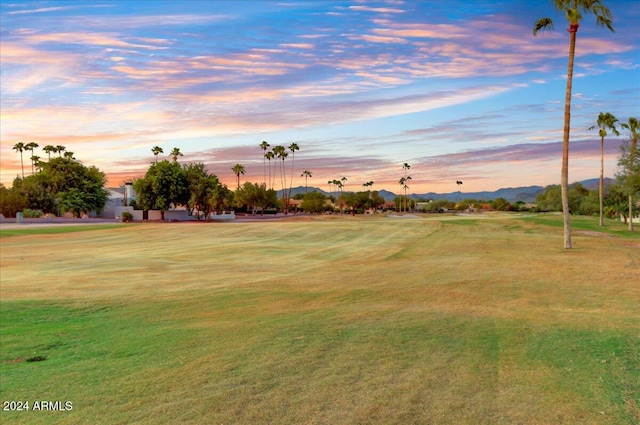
9 223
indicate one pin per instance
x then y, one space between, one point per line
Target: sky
460 90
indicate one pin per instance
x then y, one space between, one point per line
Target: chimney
128 193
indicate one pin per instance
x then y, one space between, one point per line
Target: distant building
117 197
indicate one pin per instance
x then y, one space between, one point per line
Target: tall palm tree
405 167
270 155
264 146
60 149
401 183
368 186
281 153
293 147
633 126
157 150
339 186
605 121
306 174
237 170
175 153
48 149
406 198
573 11
35 159
459 183
20 147
30 147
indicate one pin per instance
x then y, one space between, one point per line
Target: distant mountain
594 184
511 194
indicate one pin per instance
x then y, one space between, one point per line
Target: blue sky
459 89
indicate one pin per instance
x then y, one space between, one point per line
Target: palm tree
406 167
60 149
48 149
264 145
343 182
237 170
69 155
293 147
20 147
339 185
35 159
402 183
572 9
270 155
306 174
30 147
634 129
156 150
406 199
459 183
175 153
605 121
281 153
368 186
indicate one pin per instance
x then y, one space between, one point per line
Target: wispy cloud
39 10
112 83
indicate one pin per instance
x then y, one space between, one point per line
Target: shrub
127 217
29 213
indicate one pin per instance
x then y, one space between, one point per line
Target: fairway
480 319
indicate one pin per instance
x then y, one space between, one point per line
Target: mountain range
511 194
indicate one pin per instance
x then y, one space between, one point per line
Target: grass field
351 320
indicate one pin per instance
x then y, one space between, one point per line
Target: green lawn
324 321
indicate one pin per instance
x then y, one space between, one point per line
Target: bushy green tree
615 202
501 204
629 166
314 202
550 199
62 185
206 193
254 195
163 186
439 205
11 201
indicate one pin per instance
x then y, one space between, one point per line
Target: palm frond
543 24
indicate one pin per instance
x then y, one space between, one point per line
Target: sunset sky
459 89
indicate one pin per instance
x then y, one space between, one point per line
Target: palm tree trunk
601 182
564 177
22 165
283 183
32 172
293 161
632 187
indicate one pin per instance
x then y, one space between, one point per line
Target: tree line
56 186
